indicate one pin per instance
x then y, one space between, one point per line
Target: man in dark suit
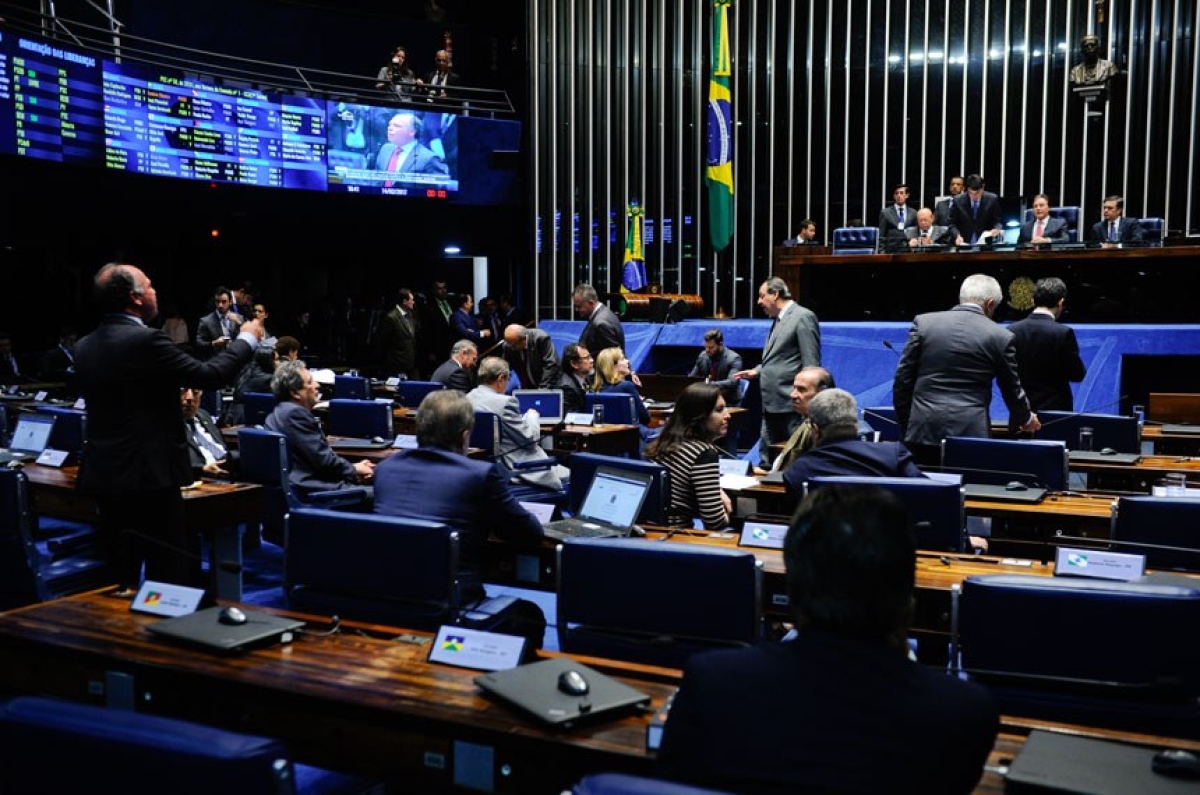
842 707
531 355
58 364
925 233
442 77
396 337
404 153
1115 228
462 322
945 206
10 368
435 337
1043 229
576 378
1047 351
218 327
895 220
976 215
833 414
137 459
943 384
793 343
807 236
718 364
206 449
315 467
438 483
458 372
603 329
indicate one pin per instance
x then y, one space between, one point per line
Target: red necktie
392 164
1041 227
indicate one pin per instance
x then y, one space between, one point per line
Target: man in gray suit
793 344
926 233
519 433
530 352
943 384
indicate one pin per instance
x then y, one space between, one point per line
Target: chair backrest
1072 215
1108 430
256 406
618 407
263 457
368 567
362 419
855 240
626 784
1174 407
1165 530
583 468
938 508
70 428
1114 635
485 434
411 393
213 401
351 387
883 420
637 601
111 750
999 461
1153 229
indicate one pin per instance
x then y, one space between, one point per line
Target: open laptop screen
548 403
614 497
32 433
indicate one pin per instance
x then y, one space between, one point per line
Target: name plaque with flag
473 648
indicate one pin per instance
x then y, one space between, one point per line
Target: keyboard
578 528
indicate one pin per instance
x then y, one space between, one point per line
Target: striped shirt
695 485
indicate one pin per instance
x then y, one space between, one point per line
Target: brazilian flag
634 276
720 133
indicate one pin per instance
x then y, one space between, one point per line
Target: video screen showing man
392 151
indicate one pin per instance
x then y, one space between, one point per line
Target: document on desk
738 482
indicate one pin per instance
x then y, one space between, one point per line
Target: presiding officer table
361 703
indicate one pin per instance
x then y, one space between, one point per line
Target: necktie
225 325
900 212
393 163
205 442
712 371
1040 229
1112 231
975 208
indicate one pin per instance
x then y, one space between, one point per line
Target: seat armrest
355 495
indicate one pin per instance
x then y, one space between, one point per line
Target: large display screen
68 106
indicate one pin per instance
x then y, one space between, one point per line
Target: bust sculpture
1094 70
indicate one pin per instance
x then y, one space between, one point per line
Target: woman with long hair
613 374
685 447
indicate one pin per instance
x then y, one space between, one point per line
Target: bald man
531 355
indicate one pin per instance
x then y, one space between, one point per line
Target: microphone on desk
227 566
558 426
888 344
1088 410
1029 479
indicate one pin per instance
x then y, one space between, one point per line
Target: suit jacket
396 343
130 376
728 363
850 457
826 713
195 457
795 343
938 235
434 341
452 79
891 236
462 327
943 212
967 224
1056 230
1128 230
943 383
455 376
315 467
10 371
573 393
519 434
469 496
209 329
1047 360
603 330
537 366
420 160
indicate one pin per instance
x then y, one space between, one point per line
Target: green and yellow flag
720 133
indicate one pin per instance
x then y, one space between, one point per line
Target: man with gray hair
531 355
943 384
603 329
519 433
458 372
833 414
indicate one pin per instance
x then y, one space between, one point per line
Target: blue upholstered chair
1153 230
855 240
938 508
485 433
411 393
883 420
361 419
636 601
583 468
627 784
351 387
95 749
999 461
1108 430
256 407
618 407
1078 650
1072 215
1163 529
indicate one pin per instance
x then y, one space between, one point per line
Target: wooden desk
360 703
609 439
1139 477
1177 444
214 508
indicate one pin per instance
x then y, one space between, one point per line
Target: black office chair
1092 652
938 508
1000 461
1118 433
361 419
618 408
637 601
1166 530
27 573
583 468
96 749
264 459
351 387
411 393
256 407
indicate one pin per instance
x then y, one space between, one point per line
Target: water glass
1085 439
597 414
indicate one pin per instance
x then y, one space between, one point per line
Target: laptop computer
29 438
609 508
1053 762
204 628
1101 457
355 443
548 403
1186 430
534 689
1004 493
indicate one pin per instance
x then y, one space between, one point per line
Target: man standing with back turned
137 456
943 384
1047 351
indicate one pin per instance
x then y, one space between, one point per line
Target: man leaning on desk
842 707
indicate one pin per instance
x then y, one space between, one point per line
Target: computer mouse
572 683
1107 451
1176 763
637 531
378 440
1015 485
232 616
